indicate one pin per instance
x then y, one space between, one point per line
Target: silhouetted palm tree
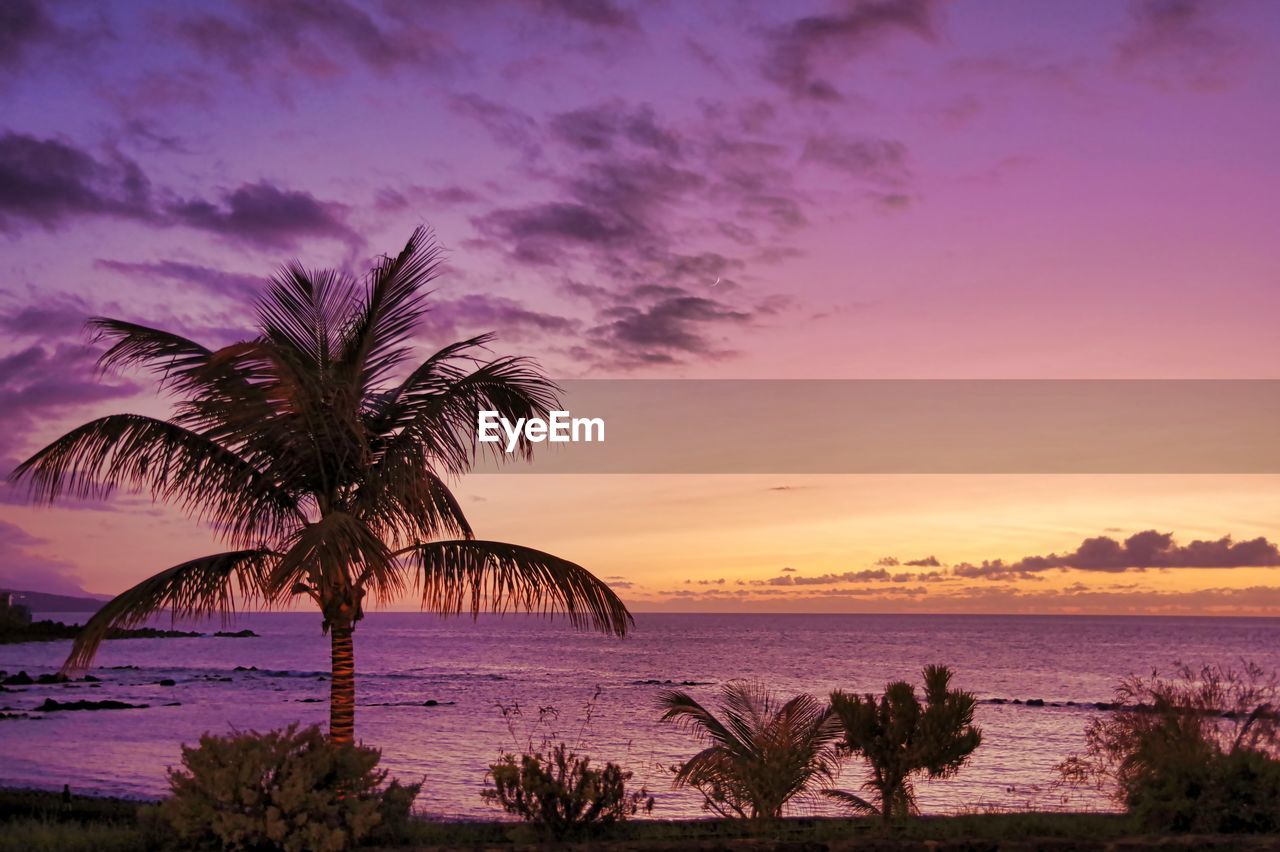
761 755
325 477
899 738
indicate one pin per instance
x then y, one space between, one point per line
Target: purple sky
887 188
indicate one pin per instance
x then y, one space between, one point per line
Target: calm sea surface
473 669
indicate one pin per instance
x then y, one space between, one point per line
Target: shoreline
97 823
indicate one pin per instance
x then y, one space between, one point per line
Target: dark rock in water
1103 705
238 634
245 669
997 701
50 705
15 716
1035 702
174 704
52 678
51 631
309 700
20 679
431 702
124 668
91 679
167 682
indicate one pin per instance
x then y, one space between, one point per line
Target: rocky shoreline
53 631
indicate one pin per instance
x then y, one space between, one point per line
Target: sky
831 189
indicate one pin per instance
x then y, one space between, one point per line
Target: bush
762 753
562 793
287 790
900 738
1232 793
1198 753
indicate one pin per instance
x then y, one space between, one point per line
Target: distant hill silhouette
46 602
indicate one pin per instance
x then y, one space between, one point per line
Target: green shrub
1197 753
288 790
1232 793
561 793
762 753
901 737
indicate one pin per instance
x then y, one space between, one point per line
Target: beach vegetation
761 752
900 738
561 793
291 790
1195 752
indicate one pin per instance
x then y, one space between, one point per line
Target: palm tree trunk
342 688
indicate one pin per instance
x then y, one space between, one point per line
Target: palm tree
899 738
325 477
760 754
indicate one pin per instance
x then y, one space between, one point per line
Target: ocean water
600 688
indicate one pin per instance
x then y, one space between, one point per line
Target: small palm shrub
761 752
561 793
1199 752
899 738
291 790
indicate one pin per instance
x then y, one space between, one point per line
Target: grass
36 821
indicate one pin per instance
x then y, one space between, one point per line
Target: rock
20 679
245 669
1035 702
1103 705
91 679
239 634
52 678
174 704
309 700
431 702
50 705
167 682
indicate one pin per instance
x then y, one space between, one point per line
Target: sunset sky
882 189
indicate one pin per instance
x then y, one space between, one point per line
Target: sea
442 698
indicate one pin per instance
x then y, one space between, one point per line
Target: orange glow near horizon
714 543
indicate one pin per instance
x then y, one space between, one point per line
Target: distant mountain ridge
46 602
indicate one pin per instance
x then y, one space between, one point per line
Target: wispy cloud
805 53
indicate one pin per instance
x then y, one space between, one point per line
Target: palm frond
474 575
436 412
211 584
305 311
681 707
409 503
336 555
168 355
760 755
178 466
377 340
855 803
